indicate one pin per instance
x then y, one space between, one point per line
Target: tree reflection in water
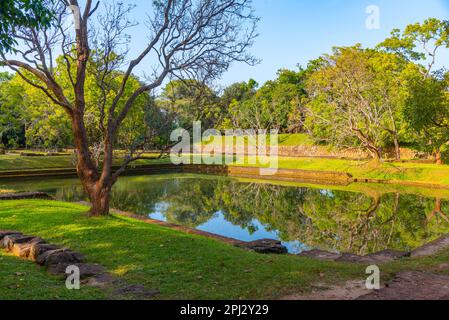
320 218
327 219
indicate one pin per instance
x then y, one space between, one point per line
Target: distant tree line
375 99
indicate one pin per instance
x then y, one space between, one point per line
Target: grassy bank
180 265
398 172
283 140
16 162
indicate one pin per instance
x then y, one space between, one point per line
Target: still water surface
303 218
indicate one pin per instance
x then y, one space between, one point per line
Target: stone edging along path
56 260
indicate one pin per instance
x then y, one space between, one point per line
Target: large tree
48 126
427 111
196 39
355 99
235 94
427 106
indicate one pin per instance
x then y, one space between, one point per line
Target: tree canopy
21 13
378 99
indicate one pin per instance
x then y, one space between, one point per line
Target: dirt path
413 285
351 290
408 285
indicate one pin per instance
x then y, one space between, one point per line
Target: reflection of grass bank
370 189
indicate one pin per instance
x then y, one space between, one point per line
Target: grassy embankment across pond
16 162
398 172
180 265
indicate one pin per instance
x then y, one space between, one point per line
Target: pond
302 217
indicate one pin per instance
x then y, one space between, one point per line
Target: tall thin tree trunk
397 148
438 157
394 132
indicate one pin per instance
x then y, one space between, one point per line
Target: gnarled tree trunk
99 196
374 150
98 187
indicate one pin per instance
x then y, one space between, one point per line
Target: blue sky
295 31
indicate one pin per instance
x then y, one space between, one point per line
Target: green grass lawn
297 139
180 265
287 140
24 280
16 162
